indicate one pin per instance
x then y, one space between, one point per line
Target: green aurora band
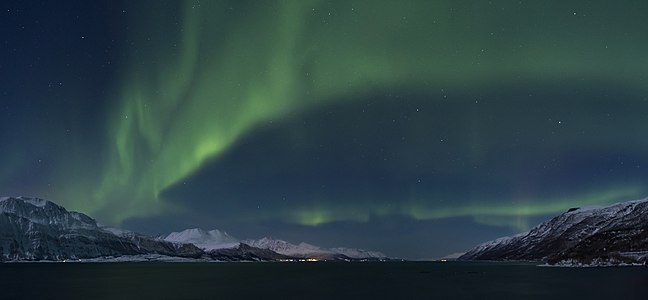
189 92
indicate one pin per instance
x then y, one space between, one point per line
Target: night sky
417 128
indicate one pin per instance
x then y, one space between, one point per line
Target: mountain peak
41 211
30 200
209 240
37 229
614 234
33 201
307 250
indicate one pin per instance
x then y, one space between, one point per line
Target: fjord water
393 280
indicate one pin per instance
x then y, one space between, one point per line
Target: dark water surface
394 280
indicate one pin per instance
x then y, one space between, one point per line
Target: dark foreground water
402 280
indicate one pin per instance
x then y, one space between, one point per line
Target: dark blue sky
415 128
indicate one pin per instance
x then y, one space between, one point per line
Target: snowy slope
308 250
286 248
37 229
216 239
603 233
358 253
208 240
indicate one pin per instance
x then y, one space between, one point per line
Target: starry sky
417 128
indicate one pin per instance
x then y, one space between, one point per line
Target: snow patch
207 240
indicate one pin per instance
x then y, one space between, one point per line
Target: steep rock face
37 229
615 234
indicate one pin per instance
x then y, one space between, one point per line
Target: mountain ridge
216 239
611 235
35 229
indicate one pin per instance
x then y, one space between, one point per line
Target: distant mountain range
613 235
216 240
206 240
33 229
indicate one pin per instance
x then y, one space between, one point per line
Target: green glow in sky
487 211
188 92
331 122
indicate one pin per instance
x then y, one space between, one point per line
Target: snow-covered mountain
304 250
244 252
207 240
216 239
613 234
358 253
37 229
286 248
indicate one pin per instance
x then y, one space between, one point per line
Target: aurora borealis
418 128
